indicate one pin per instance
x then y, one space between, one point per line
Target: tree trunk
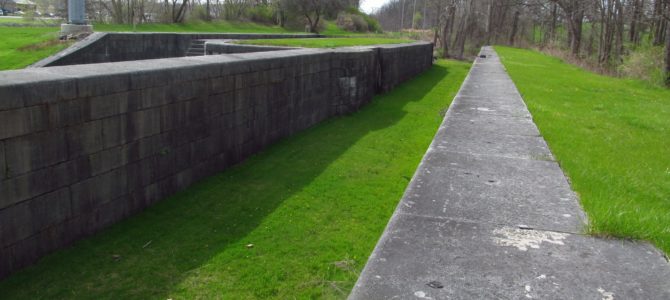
667 52
575 23
446 30
515 27
619 29
551 33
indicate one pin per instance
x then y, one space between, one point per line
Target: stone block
144 123
222 84
110 105
23 121
48 210
109 159
196 110
149 98
6 261
67 113
24 187
84 139
114 131
12 97
101 84
25 252
181 91
32 152
173 116
4 172
89 194
243 99
49 91
15 224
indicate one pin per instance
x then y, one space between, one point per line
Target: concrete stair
197 48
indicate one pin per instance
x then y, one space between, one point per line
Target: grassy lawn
35 21
22 46
218 26
612 138
313 206
326 42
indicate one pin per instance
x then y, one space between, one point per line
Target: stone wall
82 147
223 47
103 47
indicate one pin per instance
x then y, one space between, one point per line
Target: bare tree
667 46
314 10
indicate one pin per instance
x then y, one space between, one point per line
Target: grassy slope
326 43
313 205
12 56
612 138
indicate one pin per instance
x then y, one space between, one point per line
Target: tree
667 47
574 12
314 10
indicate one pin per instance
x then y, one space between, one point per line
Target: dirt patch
44 45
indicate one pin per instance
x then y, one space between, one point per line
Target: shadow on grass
149 254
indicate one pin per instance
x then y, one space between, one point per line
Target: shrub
261 14
351 22
354 20
644 63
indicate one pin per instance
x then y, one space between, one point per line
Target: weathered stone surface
474 260
21 121
33 152
490 215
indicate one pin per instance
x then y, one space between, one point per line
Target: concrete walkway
489 214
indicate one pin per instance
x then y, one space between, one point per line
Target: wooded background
612 36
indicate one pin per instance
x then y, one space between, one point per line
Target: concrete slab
428 258
492 190
489 214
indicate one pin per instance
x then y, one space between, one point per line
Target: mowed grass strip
296 221
22 46
612 138
326 42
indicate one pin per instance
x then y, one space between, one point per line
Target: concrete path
489 214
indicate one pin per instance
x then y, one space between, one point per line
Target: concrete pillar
76 12
76 17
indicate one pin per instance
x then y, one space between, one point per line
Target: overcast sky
369 6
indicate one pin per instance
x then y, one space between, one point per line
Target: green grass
22 46
34 21
313 206
326 42
612 138
217 26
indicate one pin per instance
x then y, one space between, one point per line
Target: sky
370 6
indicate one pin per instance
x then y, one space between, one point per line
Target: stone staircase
197 48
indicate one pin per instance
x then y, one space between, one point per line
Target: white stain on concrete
421 295
484 109
606 295
528 289
524 239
